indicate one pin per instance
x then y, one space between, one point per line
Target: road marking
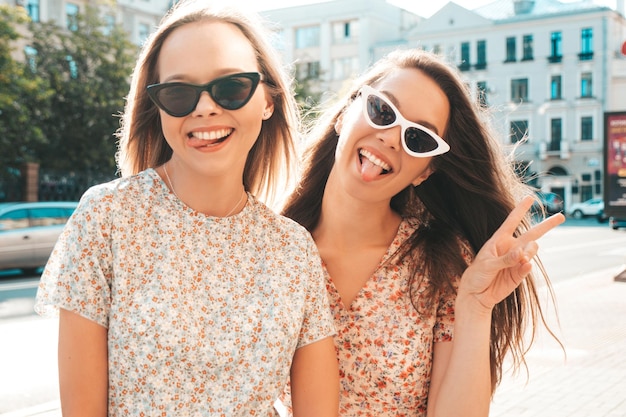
555 249
19 286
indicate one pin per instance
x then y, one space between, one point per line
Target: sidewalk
590 382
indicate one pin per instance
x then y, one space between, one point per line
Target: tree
308 100
88 67
23 97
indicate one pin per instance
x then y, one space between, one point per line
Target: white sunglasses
417 140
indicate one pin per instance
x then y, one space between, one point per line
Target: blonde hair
271 162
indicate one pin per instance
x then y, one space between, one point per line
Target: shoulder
120 192
276 220
267 221
122 187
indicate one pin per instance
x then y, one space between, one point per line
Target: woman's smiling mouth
372 164
213 135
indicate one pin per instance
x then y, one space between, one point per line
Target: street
573 254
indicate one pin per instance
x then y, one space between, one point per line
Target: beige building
137 17
548 70
335 40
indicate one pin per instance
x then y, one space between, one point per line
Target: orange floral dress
384 345
203 314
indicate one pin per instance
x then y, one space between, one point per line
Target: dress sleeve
318 321
77 276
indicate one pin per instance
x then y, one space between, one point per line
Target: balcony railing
555 59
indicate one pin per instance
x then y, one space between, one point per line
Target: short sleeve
318 321
78 273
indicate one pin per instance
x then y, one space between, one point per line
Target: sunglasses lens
232 93
379 112
178 99
419 141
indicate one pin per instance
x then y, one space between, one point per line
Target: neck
220 197
348 222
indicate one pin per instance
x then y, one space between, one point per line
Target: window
144 32
585 85
73 68
556 53
519 90
465 56
586 128
71 16
32 7
109 24
31 58
555 87
597 175
555 134
15 219
49 216
344 68
527 53
519 130
344 32
586 44
481 92
586 192
510 50
481 54
308 70
307 37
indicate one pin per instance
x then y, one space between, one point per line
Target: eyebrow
396 103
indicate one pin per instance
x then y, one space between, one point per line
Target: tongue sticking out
369 170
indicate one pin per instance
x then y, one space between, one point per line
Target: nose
206 106
391 137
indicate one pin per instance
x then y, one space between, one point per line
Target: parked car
591 207
28 232
602 218
551 202
616 223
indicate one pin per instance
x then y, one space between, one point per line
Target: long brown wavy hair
271 163
470 193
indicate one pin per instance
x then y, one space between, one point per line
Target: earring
267 115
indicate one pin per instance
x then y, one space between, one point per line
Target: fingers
514 218
520 254
545 226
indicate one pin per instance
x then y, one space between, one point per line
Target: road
28 376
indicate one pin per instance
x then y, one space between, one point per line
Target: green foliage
88 69
60 107
308 100
23 96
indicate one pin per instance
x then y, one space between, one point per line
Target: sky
424 8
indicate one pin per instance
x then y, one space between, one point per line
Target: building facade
547 70
137 17
332 41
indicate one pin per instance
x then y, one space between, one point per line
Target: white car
28 232
591 207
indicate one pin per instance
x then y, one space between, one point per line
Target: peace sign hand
504 260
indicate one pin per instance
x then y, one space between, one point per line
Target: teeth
375 160
212 135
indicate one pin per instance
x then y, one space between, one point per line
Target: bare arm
315 380
83 367
461 377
